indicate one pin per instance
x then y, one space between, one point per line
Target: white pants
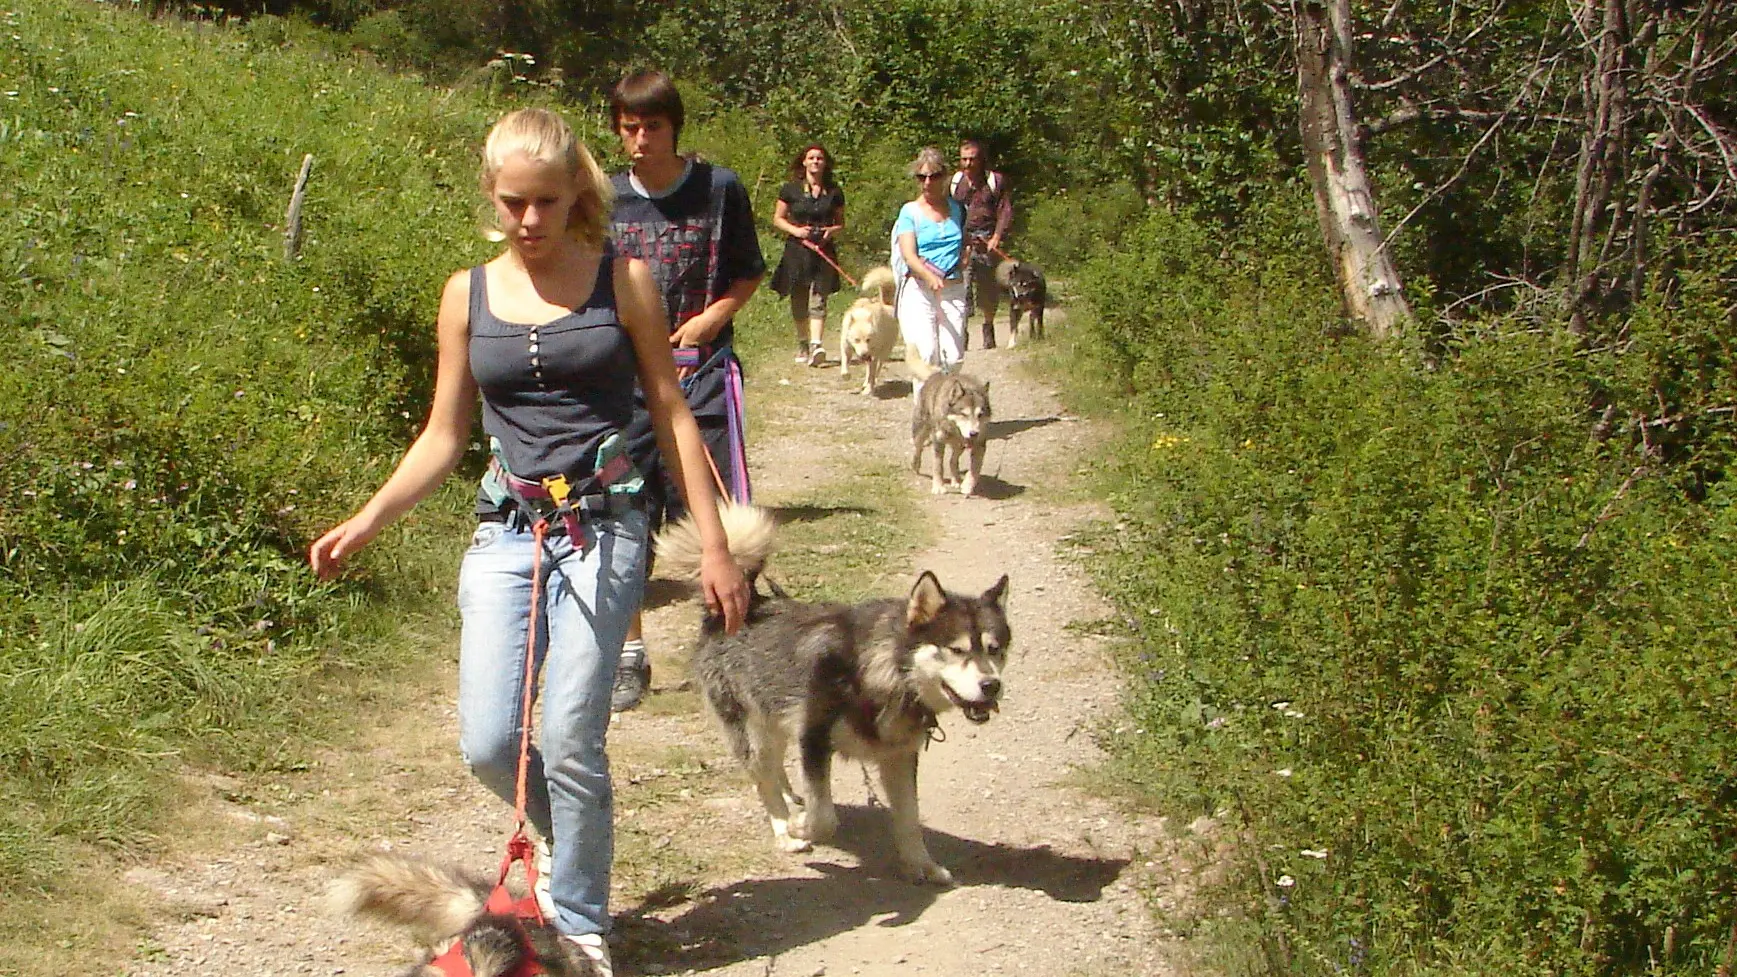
919 312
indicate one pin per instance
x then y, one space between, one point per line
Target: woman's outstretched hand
347 537
725 589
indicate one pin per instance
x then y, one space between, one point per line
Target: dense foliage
1460 672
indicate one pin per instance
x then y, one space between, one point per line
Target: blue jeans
589 596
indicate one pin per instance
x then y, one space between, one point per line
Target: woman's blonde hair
928 156
544 137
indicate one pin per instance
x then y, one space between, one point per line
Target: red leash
519 848
810 245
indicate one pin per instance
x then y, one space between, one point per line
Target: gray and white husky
950 413
866 681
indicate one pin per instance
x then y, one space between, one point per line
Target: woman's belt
556 497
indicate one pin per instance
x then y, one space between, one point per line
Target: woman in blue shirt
928 241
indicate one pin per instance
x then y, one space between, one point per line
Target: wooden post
292 220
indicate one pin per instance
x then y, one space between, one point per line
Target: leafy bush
1061 229
1461 671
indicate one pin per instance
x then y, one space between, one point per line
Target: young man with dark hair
691 222
988 214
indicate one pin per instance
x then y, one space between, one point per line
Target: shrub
1460 671
1061 229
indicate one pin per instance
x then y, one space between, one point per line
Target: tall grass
186 407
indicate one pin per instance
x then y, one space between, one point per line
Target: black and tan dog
1026 292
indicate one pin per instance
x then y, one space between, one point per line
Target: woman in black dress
811 212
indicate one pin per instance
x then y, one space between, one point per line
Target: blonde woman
554 332
928 245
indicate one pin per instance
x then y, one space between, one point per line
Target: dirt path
1050 879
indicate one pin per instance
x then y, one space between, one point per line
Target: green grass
188 409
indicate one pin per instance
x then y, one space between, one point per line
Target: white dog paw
794 845
816 825
969 486
926 873
937 488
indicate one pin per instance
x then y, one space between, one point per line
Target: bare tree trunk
1333 143
1602 145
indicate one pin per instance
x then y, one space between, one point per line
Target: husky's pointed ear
927 599
997 595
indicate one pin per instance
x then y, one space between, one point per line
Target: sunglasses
926 177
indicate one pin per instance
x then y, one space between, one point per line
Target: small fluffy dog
870 328
951 414
437 904
1026 291
866 681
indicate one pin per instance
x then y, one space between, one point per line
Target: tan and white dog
870 329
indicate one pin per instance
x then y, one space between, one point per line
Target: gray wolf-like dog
437 904
866 681
870 328
951 414
1026 291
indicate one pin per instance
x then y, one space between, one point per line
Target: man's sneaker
594 948
801 352
816 355
632 678
545 866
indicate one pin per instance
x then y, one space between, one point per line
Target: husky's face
968 419
967 413
960 647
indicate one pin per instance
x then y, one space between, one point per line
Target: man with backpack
988 207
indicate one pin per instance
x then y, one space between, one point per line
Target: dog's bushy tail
749 528
880 280
434 903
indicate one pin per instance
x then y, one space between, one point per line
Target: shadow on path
1008 428
763 917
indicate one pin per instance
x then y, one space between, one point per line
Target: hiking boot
632 678
592 947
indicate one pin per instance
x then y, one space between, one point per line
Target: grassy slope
192 408
186 407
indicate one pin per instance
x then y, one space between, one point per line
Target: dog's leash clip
934 733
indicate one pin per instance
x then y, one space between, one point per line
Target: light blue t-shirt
938 242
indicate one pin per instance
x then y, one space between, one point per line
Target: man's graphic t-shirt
698 238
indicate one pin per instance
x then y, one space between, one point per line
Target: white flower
1282 705
1286 772
1313 853
1285 881
1293 714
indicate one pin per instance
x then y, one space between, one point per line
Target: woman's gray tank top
552 393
